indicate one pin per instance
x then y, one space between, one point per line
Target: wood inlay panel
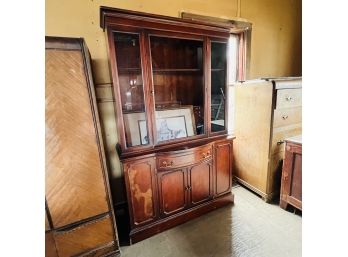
74 181
141 189
85 237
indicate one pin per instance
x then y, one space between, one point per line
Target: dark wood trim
94 251
174 147
170 34
114 16
115 82
83 222
207 82
48 214
148 86
63 43
139 234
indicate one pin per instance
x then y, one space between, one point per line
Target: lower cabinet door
223 168
141 191
172 187
200 183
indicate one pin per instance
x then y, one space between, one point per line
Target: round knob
288 98
285 117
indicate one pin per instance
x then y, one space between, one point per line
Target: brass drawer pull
166 164
285 117
206 155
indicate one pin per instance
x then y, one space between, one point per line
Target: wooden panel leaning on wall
79 214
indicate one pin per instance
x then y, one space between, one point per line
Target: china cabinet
170 88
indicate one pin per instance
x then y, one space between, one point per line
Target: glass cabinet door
218 85
130 80
178 81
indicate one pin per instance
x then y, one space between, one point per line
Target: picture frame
132 127
171 123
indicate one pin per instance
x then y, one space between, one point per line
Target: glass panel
131 88
218 85
179 87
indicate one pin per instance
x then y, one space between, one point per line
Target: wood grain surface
73 167
85 237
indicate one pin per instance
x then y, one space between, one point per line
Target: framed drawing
175 123
171 124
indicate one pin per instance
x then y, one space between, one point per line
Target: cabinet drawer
287 98
85 237
184 158
280 134
287 116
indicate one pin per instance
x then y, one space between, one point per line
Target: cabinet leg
283 204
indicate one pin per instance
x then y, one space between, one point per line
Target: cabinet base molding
142 233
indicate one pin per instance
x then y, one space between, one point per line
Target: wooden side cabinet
291 187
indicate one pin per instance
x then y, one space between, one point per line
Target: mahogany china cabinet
170 86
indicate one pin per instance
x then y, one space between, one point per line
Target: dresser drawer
280 134
287 116
288 98
184 158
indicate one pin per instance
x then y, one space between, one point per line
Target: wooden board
75 188
253 119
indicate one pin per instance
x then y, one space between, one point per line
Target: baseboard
266 197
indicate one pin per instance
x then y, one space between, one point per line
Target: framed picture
171 124
132 128
175 123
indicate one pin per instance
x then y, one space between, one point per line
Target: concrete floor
249 228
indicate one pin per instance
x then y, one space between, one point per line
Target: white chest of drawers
266 112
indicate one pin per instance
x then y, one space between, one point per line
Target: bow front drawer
183 158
